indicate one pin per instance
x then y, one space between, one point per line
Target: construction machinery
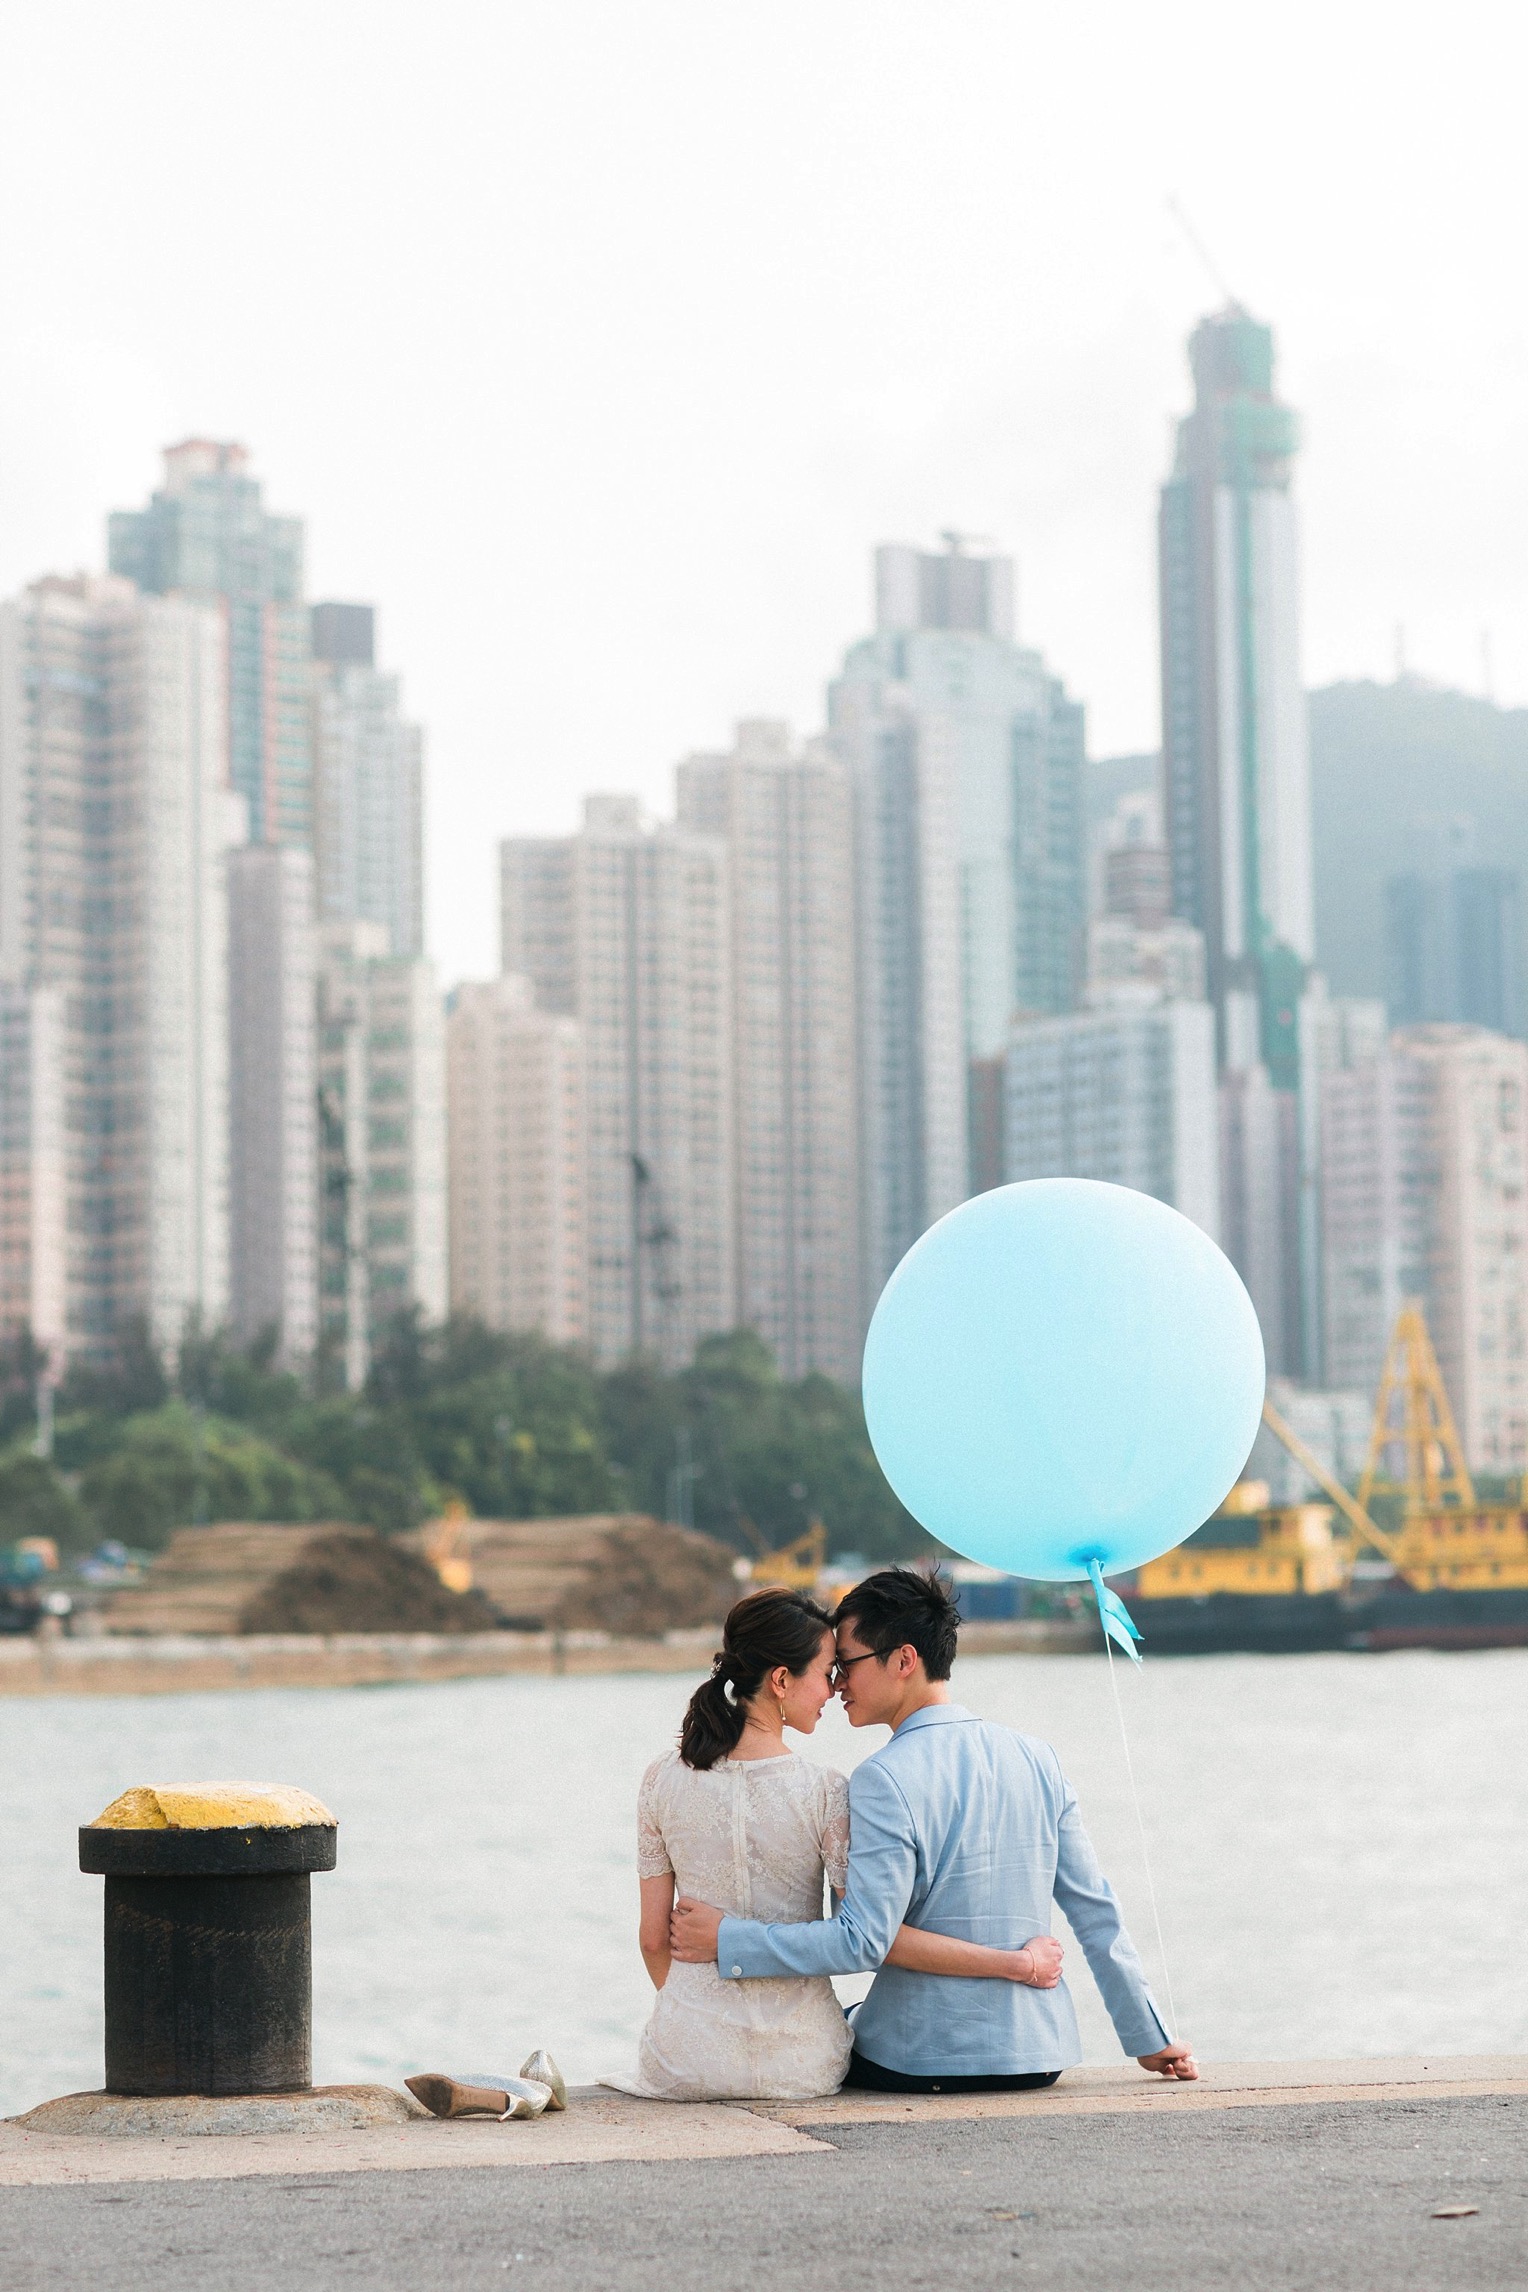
448 1546
798 1565
1449 1571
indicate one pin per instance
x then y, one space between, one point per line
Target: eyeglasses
844 1664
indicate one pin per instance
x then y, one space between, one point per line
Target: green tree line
510 1426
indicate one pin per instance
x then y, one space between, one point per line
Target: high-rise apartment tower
626 928
786 821
382 1143
515 1083
368 784
33 1174
115 825
207 534
1425 1148
966 758
1125 1093
273 1146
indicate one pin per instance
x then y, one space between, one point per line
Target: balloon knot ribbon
1118 1623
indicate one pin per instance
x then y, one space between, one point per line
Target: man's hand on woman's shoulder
1172 2061
693 1929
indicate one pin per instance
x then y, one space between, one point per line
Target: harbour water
1338 1844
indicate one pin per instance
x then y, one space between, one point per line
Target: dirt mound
356 1581
263 1577
619 1572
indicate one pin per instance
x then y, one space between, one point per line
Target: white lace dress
754 1837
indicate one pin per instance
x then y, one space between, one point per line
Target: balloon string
1156 1915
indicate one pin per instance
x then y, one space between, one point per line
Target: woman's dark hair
763 1631
900 1607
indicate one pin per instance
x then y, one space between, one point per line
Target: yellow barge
1451 1572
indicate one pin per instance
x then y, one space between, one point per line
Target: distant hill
1110 777
1391 766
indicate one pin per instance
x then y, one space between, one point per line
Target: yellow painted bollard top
215 1806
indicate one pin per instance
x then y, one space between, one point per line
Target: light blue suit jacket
967 1829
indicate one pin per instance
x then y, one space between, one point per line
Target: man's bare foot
448 2097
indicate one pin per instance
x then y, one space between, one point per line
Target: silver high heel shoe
540 2067
481 2096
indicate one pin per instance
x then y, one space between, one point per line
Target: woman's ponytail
763 1631
714 1721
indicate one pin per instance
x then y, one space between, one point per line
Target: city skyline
402 790
745 1047
598 365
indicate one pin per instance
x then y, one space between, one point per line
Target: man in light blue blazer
960 1827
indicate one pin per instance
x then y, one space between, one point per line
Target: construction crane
1179 213
1448 1540
1354 1513
1289 1568
1435 1474
798 1565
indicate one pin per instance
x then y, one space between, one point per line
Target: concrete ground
1249 2182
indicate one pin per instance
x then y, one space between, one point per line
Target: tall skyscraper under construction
1238 793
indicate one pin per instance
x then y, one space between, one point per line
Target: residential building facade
115 825
382 1143
1167 956
1355 1278
1454 947
626 927
1126 1094
33 1167
273 1148
368 765
206 534
1425 1195
515 1098
786 821
966 760
1460 1105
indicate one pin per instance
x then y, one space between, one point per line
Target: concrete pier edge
175 2116
600 2126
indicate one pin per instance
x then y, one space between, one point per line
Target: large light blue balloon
1061 1372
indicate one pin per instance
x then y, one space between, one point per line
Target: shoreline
116 1664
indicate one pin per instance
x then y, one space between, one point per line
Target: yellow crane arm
1352 1511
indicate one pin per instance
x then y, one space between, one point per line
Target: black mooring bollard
209 1971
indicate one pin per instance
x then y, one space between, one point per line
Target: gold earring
782 1710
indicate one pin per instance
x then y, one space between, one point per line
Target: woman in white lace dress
741 1822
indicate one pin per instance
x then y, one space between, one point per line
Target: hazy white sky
599 340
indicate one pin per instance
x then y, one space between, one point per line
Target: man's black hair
898 1607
